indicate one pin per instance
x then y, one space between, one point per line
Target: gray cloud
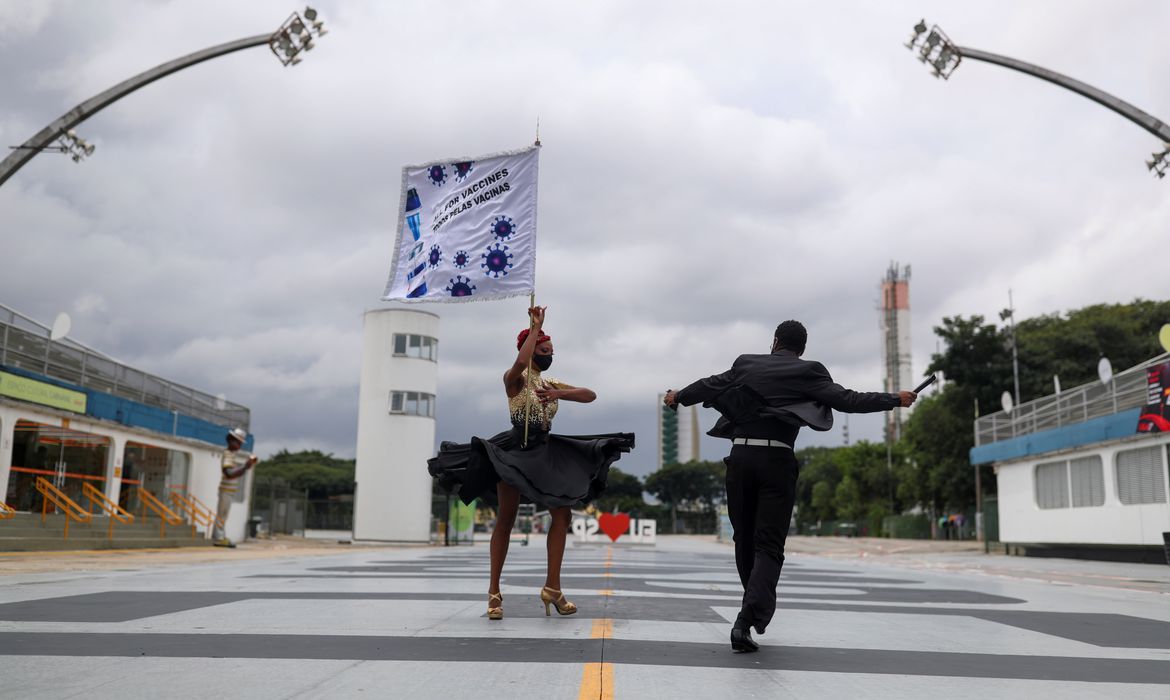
708 171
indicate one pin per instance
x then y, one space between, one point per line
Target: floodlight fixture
72 145
919 30
936 50
928 45
295 36
1159 162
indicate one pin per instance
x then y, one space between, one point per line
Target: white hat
239 434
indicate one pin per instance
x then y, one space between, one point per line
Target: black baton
929 380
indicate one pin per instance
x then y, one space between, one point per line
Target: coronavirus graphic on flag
450 208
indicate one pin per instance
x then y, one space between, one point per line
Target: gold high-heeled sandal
558 601
495 612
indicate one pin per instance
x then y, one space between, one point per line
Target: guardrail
26 344
166 516
1125 391
116 512
6 511
54 495
196 510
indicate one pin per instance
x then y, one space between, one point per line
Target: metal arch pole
1146 121
85 110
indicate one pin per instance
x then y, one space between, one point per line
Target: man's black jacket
773 396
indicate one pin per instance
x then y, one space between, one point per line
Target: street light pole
284 43
937 50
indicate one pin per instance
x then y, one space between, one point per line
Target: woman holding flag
529 462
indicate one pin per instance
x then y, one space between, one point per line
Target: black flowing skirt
552 470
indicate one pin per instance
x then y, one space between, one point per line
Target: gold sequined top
540 415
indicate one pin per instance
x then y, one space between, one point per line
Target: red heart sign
614 524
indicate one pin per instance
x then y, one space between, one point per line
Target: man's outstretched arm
824 390
702 390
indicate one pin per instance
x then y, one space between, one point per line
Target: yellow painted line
602 629
597 678
596 682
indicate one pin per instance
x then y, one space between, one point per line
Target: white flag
466 229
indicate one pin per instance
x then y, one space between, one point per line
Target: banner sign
615 525
1155 417
466 229
43 393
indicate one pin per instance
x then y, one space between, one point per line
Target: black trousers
761 490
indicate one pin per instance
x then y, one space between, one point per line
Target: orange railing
166 516
197 512
54 495
6 511
115 511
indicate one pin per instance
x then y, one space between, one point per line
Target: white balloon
1005 400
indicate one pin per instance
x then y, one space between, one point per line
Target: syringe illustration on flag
466 229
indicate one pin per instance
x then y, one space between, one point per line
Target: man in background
235 464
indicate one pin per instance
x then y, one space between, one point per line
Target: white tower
396 425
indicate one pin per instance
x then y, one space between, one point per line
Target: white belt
758 442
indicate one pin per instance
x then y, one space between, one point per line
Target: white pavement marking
656 683
689 580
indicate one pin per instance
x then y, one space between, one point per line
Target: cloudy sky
708 170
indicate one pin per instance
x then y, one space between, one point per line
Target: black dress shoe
745 621
741 640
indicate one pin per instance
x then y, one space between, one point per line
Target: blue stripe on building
1118 425
138 415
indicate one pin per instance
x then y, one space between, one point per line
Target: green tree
693 486
322 475
868 495
938 439
847 499
977 358
623 493
821 507
1070 346
868 463
819 474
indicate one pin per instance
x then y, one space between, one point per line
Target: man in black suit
764 400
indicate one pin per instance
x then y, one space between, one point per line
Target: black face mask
542 362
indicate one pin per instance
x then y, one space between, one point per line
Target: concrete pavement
653 623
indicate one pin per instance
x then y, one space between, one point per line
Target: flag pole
528 373
531 325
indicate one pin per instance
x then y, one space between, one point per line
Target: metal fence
277 506
329 514
25 344
1125 391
